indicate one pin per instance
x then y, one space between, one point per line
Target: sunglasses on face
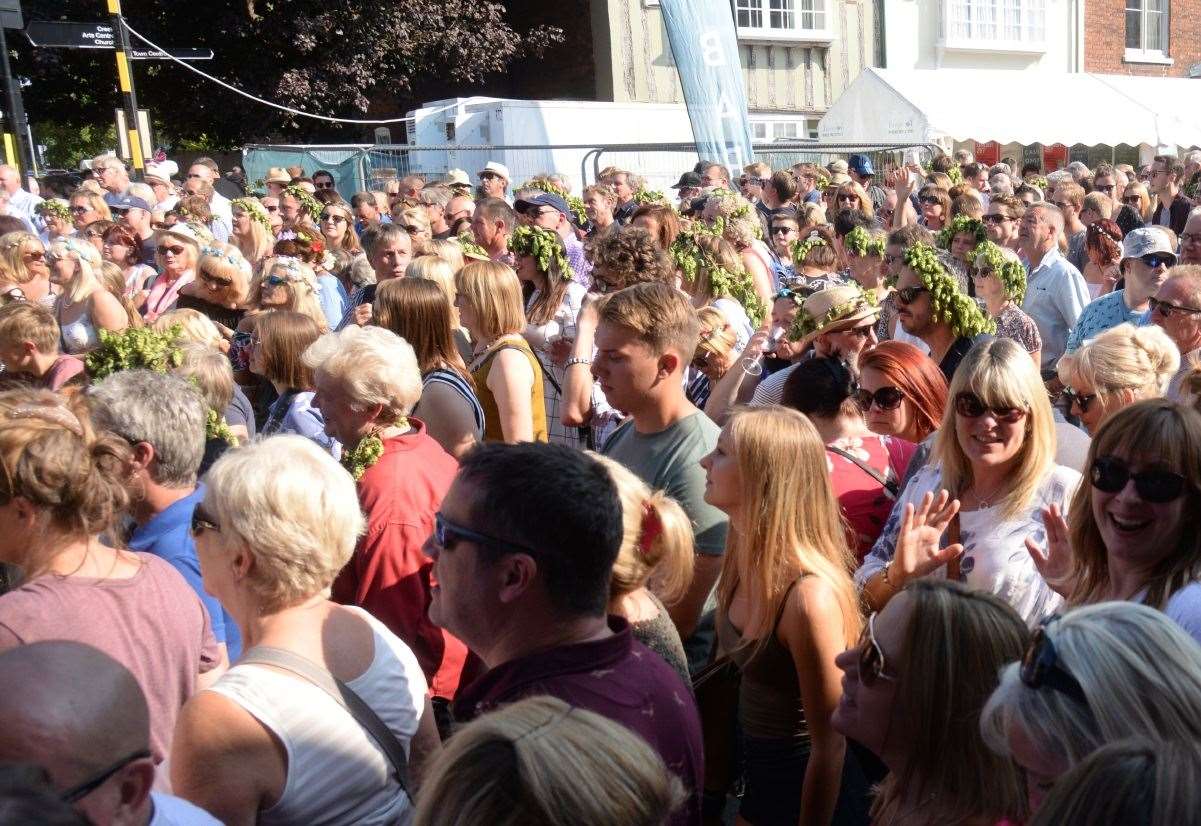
872 667
1110 474
929 200
1082 400
970 406
783 230
1157 259
35 255
412 230
996 219
1106 188
80 210
1040 666
1133 200
202 522
324 184
274 208
908 295
847 196
860 332
11 295
170 250
886 398
1166 309
331 216
447 534
212 279
487 176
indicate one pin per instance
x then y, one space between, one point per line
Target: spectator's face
806 182
1041 765
82 213
888 208
1190 241
458 207
486 232
751 187
783 313
914 317
962 245
546 217
367 212
1001 226
712 177
784 234
627 370
886 420
598 208
289 209
621 185
849 343
1146 276
390 260
271 204
1035 229
200 173
492 184
865 711
894 259
1161 176
723 480
323 181
344 420
1178 314
1106 185
980 182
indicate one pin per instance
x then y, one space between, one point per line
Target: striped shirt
459 384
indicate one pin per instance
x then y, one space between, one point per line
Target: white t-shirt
994 558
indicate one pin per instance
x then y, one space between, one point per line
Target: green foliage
948 304
650 196
989 258
804 324
862 243
690 259
551 188
215 427
134 349
308 203
543 246
367 452
68 141
962 223
800 248
471 248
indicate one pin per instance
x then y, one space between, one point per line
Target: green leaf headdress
962 223
471 249
863 243
806 325
543 246
649 196
948 303
56 207
801 247
739 285
988 256
544 184
255 210
308 203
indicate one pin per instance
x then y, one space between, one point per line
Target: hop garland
801 248
861 243
738 285
733 208
823 181
962 223
215 427
54 207
804 324
254 209
308 203
134 349
544 246
551 188
368 451
471 249
954 173
684 251
649 196
948 304
1011 273
1038 181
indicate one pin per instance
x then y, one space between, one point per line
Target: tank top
483 366
79 335
457 383
336 774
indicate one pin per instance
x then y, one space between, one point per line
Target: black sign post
17 146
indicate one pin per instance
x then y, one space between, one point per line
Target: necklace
369 450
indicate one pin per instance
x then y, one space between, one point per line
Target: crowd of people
811 495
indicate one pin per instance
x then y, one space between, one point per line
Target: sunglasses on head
1157 259
1166 309
172 250
1110 474
1040 666
872 667
970 406
275 281
886 398
908 295
1082 400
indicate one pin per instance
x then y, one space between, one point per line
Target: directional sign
178 54
62 35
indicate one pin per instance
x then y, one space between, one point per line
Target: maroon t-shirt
618 678
64 369
153 623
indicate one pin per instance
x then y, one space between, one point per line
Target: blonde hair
210 371
450 251
113 280
372 365
194 326
25 321
668 559
1001 374
810 214
657 314
865 203
437 269
541 761
85 280
494 294
12 249
95 199
717 337
722 253
784 537
293 508
1141 360
302 288
257 244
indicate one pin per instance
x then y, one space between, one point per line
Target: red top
864 501
389 575
62 371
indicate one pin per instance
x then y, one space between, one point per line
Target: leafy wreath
368 451
307 202
542 184
544 246
801 247
649 196
732 207
738 285
962 223
804 324
1011 273
254 209
947 302
471 249
1038 181
861 243
54 207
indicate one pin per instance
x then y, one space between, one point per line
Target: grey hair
373 366
383 234
1001 184
162 410
436 195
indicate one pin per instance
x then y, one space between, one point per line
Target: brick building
1156 38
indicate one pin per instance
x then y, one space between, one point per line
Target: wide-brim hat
277 175
161 171
496 168
456 177
189 233
832 310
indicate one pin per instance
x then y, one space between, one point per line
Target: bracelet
575 360
887 581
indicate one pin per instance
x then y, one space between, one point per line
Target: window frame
1144 55
976 41
766 33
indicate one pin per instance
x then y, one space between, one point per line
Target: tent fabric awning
923 105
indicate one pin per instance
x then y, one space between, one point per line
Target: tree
344 58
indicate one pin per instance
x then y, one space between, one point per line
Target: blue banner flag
705 48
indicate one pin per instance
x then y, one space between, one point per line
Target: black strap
891 486
344 696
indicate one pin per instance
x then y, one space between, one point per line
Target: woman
712 273
280 339
442 272
279 519
113 280
123 248
85 306
1103 245
865 468
992 473
56 219
912 693
816 257
661 221
851 195
63 487
961 236
901 391
864 249
1135 196
543 761
450 251
935 206
629 256
287 283
87 207
735 218
786 605
1139 542
23 263
1093 676
1000 281
416 222
716 351
1119 367
178 253
507 374
307 245
656 543
417 310
251 230
220 287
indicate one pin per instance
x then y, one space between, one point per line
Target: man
323 179
132 211
1069 197
550 211
204 170
291 213
523 552
860 168
1177 309
624 185
715 176
689 187
1190 239
411 186
222 185
784 231
776 193
389 250
158 178
1055 290
30 342
21 204
492 224
1146 258
1003 220
277 178
111 173
276 218
754 176
946 338
646 337
494 181
806 176
163 418
1173 208
80 715
434 200
1097 206
460 206
366 211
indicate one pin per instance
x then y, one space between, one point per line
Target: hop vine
862 243
543 246
988 257
255 210
310 205
471 249
649 196
962 223
739 285
800 248
544 184
55 207
134 349
804 324
948 304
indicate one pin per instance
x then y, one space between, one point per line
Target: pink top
163 295
863 500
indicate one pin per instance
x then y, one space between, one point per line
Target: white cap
161 171
499 168
457 177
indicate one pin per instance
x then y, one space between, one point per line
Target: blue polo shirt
169 537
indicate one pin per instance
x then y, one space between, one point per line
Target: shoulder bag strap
342 694
888 485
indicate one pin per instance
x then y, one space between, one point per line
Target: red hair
125 238
917 376
1105 237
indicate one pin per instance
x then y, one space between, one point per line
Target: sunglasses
909 294
860 332
35 255
486 176
275 281
80 210
929 200
14 294
1110 474
271 208
1133 200
996 219
324 184
447 533
195 175
171 250
202 522
1166 308
1106 188
1082 400
77 793
330 216
872 667
969 406
886 398
412 230
1040 666
224 282
784 230
1157 259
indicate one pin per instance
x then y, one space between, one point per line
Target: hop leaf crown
471 248
551 188
307 202
543 246
860 242
801 248
962 223
738 285
948 303
254 209
1011 273
55 207
649 196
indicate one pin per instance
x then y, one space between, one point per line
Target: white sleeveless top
336 774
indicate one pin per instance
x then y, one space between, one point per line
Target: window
782 19
995 25
1147 30
780 129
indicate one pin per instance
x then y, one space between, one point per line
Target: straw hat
277 175
830 311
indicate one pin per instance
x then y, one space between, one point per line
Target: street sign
64 35
178 54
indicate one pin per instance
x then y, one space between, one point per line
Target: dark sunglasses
332 216
224 282
484 176
886 398
929 200
1166 308
1110 474
77 793
872 667
1040 666
861 332
275 281
1157 259
271 208
969 406
324 184
784 230
35 255
202 522
1133 200
1106 188
996 219
411 229
172 250
1082 400
14 294
447 533
909 294
80 210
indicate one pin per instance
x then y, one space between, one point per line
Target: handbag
344 696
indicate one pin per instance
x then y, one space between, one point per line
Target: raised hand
1054 564
918 548
362 315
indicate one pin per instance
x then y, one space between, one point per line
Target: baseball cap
1144 241
861 165
543 199
125 202
689 180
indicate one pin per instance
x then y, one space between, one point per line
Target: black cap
688 180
